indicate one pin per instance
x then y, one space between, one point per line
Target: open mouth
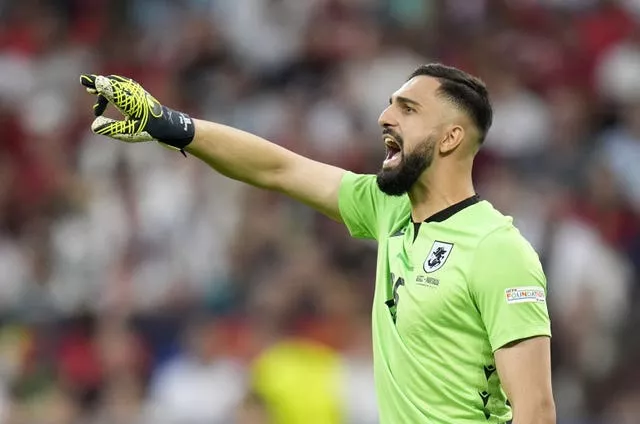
394 151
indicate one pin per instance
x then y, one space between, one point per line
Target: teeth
390 142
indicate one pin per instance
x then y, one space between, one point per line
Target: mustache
395 135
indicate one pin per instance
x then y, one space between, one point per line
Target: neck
438 188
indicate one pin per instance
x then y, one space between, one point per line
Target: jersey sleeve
509 288
360 202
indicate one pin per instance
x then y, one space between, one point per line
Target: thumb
120 130
100 106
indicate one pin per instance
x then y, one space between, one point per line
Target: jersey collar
447 213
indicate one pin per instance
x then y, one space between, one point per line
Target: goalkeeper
461 332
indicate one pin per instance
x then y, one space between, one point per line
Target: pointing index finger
89 81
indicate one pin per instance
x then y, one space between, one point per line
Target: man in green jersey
460 323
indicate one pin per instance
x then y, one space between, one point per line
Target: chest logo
438 255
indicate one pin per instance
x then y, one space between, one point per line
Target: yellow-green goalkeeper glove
145 118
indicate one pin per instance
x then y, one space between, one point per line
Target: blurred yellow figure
299 381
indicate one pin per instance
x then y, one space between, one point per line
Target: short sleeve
360 202
509 288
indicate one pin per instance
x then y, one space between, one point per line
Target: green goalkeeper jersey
449 293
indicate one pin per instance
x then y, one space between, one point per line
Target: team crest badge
438 255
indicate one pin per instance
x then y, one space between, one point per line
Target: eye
408 109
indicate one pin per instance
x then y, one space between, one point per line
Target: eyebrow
405 100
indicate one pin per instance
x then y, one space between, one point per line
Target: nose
387 118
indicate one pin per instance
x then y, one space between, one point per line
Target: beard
399 180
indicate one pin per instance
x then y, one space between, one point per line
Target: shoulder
482 220
361 192
357 184
499 237
504 259
504 256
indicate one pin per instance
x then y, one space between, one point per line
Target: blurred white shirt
520 124
617 73
189 392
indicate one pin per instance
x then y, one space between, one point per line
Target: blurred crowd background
137 286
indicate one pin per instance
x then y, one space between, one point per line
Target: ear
453 137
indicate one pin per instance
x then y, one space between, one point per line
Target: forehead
422 89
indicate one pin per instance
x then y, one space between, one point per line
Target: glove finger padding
88 80
127 130
100 106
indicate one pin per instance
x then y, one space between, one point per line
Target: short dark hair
467 92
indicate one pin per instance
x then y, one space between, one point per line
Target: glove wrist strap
172 128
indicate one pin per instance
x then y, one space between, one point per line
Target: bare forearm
542 414
251 159
238 154
524 367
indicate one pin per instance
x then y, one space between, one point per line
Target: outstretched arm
232 152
